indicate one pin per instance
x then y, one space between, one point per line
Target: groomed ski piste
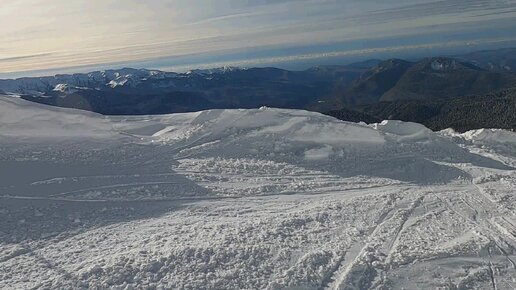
251 199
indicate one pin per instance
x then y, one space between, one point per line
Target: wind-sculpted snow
22 119
251 199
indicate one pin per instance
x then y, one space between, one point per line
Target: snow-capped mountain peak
210 71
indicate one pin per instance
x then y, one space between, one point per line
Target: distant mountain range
365 91
140 91
430 78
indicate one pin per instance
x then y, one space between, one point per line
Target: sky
51 36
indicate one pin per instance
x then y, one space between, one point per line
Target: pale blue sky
64 35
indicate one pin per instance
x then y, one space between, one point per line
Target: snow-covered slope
249 199
23 119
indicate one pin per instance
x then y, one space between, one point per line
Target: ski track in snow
251 199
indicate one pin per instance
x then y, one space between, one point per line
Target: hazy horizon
60 36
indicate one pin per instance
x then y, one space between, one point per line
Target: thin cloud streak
15 58
58 33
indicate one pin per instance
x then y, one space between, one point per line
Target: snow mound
491 136
300 126
406 130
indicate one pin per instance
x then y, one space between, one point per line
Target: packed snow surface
251 199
